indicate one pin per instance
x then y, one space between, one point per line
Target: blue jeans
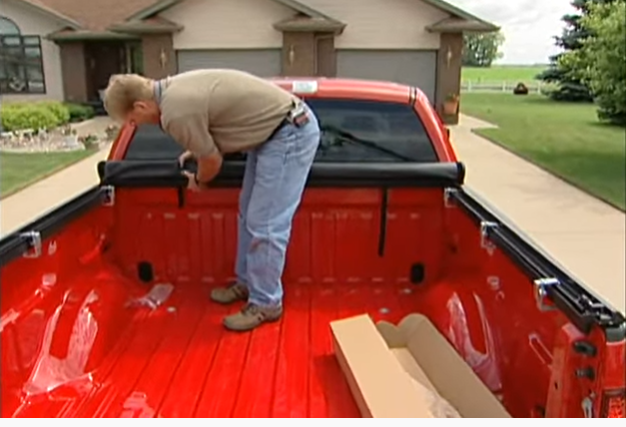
273 183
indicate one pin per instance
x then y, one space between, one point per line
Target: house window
21 65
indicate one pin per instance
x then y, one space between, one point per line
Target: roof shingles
96 15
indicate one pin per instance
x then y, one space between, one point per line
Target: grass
19 170
565 139
502 73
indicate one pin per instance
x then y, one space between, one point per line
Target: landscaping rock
70 142
81 136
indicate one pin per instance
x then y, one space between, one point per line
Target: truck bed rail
27 240
578 303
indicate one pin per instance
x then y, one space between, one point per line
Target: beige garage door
262 62
412 67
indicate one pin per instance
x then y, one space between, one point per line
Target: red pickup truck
386 227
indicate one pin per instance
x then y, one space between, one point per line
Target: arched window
8 27
21 65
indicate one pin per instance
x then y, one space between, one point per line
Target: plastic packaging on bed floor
155 297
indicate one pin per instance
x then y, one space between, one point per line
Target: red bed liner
178 361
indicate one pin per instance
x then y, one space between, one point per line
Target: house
67 49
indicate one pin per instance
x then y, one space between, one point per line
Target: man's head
130 97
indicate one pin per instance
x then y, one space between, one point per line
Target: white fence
499 86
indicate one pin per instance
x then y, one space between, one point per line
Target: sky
528 26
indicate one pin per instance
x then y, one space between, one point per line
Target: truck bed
72 347
178 361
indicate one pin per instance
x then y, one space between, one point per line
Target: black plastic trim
168 174
582 307
180 193
585 348
461 171
382 232
16 245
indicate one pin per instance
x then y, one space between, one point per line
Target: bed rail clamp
33 240
108 193
448 197
541 292
485 242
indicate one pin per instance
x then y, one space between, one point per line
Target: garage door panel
262 62
411 67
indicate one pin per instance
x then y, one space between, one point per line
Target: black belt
297 116
284 122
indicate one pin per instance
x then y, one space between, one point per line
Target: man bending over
214 112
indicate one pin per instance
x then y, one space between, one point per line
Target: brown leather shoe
230 294
251 316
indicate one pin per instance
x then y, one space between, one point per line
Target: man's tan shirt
225 110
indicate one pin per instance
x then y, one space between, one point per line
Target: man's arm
192 132
208 167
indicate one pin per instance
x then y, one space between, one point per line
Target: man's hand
192 184
208 167
187 155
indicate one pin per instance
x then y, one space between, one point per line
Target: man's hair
123 91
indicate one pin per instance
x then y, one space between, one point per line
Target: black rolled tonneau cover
167 173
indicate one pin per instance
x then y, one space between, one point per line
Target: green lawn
20 170
566 139
502 73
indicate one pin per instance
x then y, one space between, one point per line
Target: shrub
78 112
61 112
520 89
44 114
34 116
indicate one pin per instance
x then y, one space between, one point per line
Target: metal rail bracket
33 239
448 196
109 195
485 242
541 292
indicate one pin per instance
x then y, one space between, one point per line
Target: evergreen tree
599 63
570 87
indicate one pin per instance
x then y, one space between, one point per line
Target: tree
481 49
569 87
599 63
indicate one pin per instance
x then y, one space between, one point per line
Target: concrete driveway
582 233
21 208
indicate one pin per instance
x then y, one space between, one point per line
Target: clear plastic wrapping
155 297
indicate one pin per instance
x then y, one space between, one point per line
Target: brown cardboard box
379 384
382 363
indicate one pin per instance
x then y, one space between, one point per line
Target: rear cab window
353 130
370 131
